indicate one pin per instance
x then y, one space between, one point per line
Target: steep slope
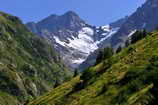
103 41
119 22
128 78
145 17
73 38
29 66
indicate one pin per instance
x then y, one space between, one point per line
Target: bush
103 90
28 70
79 86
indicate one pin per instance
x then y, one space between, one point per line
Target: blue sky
95 12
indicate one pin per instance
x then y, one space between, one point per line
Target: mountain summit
69 20
72 37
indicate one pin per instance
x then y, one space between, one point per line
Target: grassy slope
28 65
128 78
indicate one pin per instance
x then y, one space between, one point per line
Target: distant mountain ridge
145 17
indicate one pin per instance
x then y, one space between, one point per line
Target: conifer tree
99 57
138 35
119 49
127 43
104 54
76 72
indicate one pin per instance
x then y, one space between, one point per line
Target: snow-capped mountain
73 38
84 44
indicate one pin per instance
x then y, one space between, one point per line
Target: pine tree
76 72
119 49
56 84
99 57
104 54
108 52
144 33
138 35
134 37
127 43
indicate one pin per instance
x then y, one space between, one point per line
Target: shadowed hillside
28 64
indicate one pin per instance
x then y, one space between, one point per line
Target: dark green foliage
136 78
103 90
119 49
26 102
87 75
56 84
79 86
29 66
99 57
76 72
127 43
28 70
108 52
130 49
7 85
138 35
104 54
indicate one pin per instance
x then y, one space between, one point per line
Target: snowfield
84 43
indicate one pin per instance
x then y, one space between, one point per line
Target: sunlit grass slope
128 78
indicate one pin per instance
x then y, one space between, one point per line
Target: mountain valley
63 60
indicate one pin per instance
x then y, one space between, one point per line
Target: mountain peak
71 13
72 16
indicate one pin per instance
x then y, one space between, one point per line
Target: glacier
84 43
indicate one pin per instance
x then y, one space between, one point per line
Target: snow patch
108 35
87 30
84 42
106 28
78 61
131 33
59 41
104 34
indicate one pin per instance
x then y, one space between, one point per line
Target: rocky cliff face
73 38
145 17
